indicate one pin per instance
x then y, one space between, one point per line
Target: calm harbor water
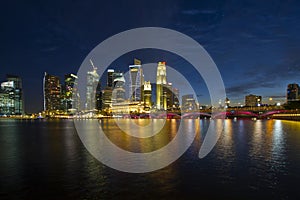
252 159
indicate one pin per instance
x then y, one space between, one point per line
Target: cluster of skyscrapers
60 97
139 98
115 97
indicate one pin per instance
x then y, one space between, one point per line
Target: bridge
193 115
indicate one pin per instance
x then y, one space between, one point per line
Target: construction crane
94 68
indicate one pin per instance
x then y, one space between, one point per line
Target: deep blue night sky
255 44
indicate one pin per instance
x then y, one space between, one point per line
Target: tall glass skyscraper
91 89
136 81
71 94
11 96
118 94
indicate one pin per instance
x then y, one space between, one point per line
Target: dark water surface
252 159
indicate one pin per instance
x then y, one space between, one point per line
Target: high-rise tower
136 81
147 95
161 81
91 88
52 93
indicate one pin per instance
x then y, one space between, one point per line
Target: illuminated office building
11 96
52 93
91 88
253 100
70 100
136 81
147 95
161 81
110 79
189 103
118 94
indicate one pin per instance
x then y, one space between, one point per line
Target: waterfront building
70 94
161 82
11 96
227 102
136 81
109 82
188 103
176 103
292 92
52 92
118 94
147 95
91 88
253 100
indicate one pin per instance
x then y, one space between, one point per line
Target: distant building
253 100
189 103
52 92
11 96
136 81
292 92
227 102
176 103
168 92
161 82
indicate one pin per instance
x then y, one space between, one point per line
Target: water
252 159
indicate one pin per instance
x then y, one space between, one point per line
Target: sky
255 44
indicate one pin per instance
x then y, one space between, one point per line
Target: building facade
188 103
161 82
147 95
70 96
11 96
292 93
52 92
91 89
253 100
136 82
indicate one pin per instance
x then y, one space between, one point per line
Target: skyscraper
147 95
118 94
11 96
292 92
70 94
91 88
17 94
136 81
161 81
52 92
110 77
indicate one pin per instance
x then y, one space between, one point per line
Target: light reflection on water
252 159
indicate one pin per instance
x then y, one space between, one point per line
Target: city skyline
63 96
